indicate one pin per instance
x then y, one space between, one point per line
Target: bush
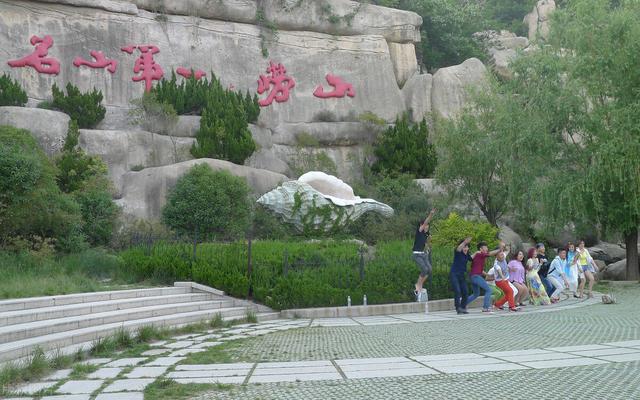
404 148
85 108
153 115
11 93
450 231
85 177
32 207
206 203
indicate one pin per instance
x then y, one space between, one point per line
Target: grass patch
80 371
227 352
168 389
217 321
250 316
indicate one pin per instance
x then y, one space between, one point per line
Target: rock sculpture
319 202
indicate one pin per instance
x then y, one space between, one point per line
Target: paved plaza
577 349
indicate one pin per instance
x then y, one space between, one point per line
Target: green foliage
311 159
316 273
472 151
85 177
224 132
11 93
153 115
507 14
404 148
85 108
32 207
205 202
450 231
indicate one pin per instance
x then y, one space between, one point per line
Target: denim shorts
422 259
588 267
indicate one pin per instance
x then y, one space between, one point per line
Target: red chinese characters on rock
145 65
38 60
100 61
188 72
282 84
340 88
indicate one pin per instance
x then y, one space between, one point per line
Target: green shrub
450 231
207 203
11 93
153 115
85 108
32 207
404 148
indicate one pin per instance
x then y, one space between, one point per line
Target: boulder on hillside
405 64
538 19
417 96
609 253
49 128
449 91
145 192
124 151
511 238
502 48
615 272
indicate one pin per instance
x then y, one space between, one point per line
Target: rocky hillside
317 43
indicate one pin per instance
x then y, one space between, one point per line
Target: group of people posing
516 278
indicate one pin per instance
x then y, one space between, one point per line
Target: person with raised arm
457 275
421 254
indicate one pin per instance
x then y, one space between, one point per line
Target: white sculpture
319 202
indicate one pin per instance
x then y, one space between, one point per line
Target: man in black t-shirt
420 256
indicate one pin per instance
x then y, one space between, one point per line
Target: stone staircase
68 322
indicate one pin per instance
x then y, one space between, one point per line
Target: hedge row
293 275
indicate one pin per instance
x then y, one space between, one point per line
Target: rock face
609 253
538 19
124 151
502 48
616 271
145 192
403 57
417 96
449 89
48 127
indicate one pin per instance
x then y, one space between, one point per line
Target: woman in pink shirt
517 276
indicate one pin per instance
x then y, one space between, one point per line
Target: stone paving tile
130 385
80 387
360 361
539 357
295 378
165 361
96 361
58 375
627 343
187 336
220 379
211 373
385 373
159 343
204 367
572 362
67 397
606 352
294 364
234 337
179 345
259 332
32 388
585 347
462 369
293 370
184 352
121 396
105 373
18 398
146 372
208 337
155 352
455 363
635 356
126 362
444 357
511 353
205 345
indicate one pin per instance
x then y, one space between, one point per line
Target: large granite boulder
403 57
145 192
502 48
107 5
538 19
511 238
449 91
48 127
326 133
334 17
209 45
609 253
124 151
615 272
417 96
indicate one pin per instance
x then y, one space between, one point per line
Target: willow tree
581 92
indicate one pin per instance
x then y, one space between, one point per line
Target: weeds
80 371
171 390
250 316
217 321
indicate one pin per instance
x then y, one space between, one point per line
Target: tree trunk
631 241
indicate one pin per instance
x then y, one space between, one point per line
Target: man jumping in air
420 255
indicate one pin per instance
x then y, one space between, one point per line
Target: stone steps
62 323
